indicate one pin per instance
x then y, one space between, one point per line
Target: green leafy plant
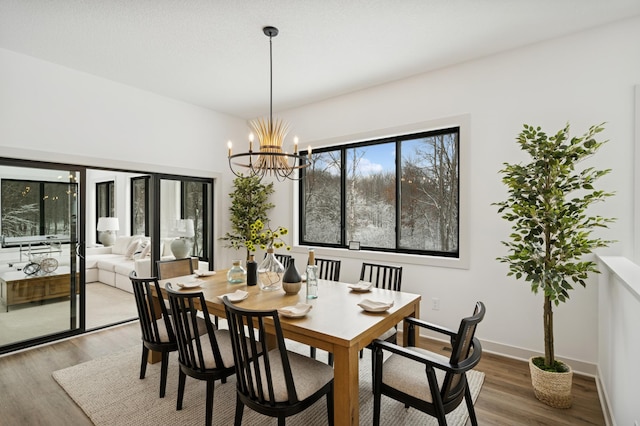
547 204
249 203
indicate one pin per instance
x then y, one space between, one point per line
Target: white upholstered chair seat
408 376
310 375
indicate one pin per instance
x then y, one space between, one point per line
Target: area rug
109 392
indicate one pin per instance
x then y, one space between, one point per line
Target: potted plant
249 203
552 234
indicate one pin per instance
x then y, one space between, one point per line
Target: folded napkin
189 282
298 310
203 273
371 305
236 296
361 286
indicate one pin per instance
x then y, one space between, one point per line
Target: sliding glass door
40 291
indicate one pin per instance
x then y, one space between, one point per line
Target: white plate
236 296
296 311
203 273
361 286
190 283
375 305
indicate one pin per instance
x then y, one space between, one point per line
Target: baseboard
579 367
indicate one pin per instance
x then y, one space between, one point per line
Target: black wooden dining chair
204 354
284 259
425 380
389 278
276 382
157 331
328 269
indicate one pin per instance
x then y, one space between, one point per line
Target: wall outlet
435 304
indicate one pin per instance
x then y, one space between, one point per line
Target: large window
398 194
36 208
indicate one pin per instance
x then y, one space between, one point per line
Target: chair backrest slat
382 276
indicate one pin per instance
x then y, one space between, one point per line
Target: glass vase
237 274
270 272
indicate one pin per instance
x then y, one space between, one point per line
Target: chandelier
270 159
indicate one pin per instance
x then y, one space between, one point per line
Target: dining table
335 323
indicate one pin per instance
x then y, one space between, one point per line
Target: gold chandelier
270 159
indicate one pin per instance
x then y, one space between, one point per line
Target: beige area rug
110 393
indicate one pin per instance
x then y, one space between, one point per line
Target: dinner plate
203 273
296 311
236 296
361 286
190 283
370 305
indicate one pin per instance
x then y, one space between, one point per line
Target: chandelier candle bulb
229 146
295 145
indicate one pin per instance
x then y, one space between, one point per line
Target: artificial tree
249 202
551 232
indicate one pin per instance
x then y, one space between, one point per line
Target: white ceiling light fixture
270 159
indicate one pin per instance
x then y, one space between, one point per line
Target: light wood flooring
30 396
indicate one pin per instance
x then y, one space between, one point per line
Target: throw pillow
142 250
131 248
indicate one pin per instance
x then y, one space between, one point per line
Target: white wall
53 113
584 79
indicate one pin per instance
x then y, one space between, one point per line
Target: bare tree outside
418 213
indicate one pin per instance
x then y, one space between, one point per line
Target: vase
237 274
270 272
291 280
252 271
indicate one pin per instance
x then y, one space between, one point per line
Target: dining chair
157 331
174 268
427 381
277 382
328 269
204 352
386 277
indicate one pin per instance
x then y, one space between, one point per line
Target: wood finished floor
30 396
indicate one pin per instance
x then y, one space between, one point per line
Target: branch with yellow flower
265 237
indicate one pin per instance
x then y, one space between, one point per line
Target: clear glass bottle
312 276
237 274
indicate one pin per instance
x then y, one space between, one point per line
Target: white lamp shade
183 228
108 224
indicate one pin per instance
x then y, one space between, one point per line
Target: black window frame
397 139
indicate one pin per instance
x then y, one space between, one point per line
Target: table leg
346 402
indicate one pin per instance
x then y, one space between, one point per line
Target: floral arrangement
266 238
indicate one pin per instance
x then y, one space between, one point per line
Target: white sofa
112 265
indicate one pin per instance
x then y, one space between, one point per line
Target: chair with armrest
157 331
328 269
276 383
175 268
425 380
204 352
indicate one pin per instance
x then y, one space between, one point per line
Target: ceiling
213 53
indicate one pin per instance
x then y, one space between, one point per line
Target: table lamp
107 226
184 231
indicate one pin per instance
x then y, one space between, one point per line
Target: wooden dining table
335 323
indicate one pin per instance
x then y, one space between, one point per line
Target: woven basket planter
554 389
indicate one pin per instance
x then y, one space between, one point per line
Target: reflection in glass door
39 280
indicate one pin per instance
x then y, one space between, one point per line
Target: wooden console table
16 287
